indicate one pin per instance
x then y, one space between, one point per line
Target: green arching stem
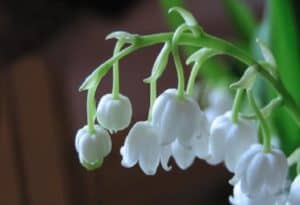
205 40
267 110
238 99
153 94
179 70
298 168
294 157
192 78
263 123
91 109
116 79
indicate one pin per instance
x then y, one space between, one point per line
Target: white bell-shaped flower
219 101
229 140
294 196
114 114
92 147
177 118
262 198
262 172
142 146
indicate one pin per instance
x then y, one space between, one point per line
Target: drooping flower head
178 118
262 172
229 140
92 148
114 114
142 146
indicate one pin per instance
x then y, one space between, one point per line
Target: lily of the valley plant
178 127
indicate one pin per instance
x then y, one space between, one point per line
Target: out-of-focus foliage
242 18
285 44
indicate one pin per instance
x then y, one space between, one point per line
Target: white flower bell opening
294 197
183 156
229 140
239 198
142 146
177 118
262 172
92 147
114 114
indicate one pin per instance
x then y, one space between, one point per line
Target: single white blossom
262 198
142 145
92 147
294 196
177 118
229 140
219 101
114 114
262 172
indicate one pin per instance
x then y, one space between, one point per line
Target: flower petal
184 158
165 156
256 174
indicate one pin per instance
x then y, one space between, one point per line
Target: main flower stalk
204 40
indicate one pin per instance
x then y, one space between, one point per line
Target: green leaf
242 18
285 44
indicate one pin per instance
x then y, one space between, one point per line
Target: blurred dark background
46 50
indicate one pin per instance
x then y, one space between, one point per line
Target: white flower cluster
179 129
113 114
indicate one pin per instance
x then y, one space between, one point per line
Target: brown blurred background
46 50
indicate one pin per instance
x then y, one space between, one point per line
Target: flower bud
92 147
114 114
